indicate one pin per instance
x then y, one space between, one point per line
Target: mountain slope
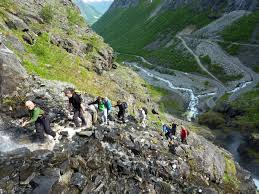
92 10
88 11
148 28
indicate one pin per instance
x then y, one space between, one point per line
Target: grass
74 17
242 30
255 67
166 100
232 49
230 178
47 13
131 30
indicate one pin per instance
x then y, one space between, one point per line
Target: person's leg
75 118
119 115
81 115
167 135
39 130
105 115
123 116
47 128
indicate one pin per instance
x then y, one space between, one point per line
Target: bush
212 119
47 13
74 17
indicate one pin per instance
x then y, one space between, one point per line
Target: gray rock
85 133
78 180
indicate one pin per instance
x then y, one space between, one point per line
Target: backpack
145 110
125 105
42 105
80 97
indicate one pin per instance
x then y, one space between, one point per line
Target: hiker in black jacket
122 110
76 101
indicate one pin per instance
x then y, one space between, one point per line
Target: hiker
75 100
184 134
122 110
41 120
101 108
174 126
167 131
108 105
93 111
143 116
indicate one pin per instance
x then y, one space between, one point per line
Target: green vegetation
131 30
74 17
47 13
231 48
6 3
230 179
255 67
212 119
166 100
218 70
242 30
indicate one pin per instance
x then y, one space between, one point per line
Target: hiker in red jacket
184 134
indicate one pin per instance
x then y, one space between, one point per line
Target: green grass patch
232 49
166 100
242 30
230 179
47 13
255 68
74 17
212 119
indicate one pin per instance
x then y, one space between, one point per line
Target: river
234 139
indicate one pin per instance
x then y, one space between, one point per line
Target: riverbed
233 140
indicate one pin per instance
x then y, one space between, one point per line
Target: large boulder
12 73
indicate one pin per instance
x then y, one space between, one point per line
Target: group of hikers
102 106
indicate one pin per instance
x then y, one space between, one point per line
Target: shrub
212 119
74 17
47 13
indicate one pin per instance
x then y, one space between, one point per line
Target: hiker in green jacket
41 120
102 109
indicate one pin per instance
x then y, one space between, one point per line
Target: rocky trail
117 158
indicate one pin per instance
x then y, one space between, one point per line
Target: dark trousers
169 135
121 115
79 114
43 125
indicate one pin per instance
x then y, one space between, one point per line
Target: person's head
105 99
30 105
182 127
99 99
119 102
69 92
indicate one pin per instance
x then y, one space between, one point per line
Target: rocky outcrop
12 73
121 159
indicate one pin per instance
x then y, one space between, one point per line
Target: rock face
124 159
12 72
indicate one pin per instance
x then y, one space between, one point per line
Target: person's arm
92 103
82 107
35 115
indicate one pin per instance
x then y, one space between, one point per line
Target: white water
242 85
6 144
192 109
256 183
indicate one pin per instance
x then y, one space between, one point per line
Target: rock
78 180
12 73
16 23
43 184
27 39
64 133
85 133
26 175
